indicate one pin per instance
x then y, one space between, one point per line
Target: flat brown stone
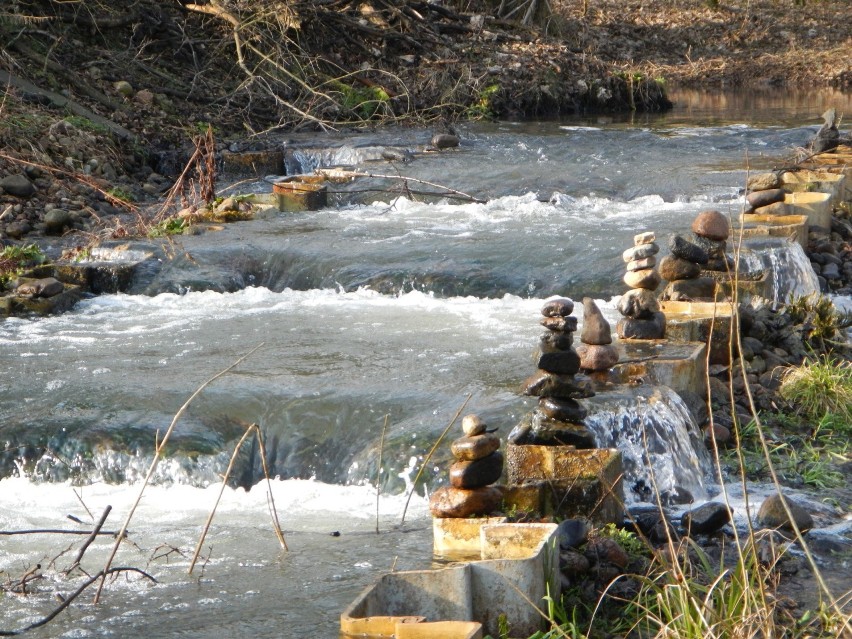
561 362
645 262
597 357
674 268
475 447
459 502
563 410
477 473
544 384
562 324
559 307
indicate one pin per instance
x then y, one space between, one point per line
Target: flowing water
382 308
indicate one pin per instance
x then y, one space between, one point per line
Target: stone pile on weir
558 419
478 465
642 317
704 250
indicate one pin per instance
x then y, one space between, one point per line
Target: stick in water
379 470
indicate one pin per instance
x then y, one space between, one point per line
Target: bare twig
379 470
276 525
225 477
90 538
70 598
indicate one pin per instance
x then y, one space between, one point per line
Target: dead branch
90 538
70 598
341 174
56 531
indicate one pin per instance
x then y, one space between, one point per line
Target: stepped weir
593 396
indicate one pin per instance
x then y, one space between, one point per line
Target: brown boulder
675 268
475 447
648 279
711 224
459 502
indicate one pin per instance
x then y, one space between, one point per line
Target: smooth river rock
45 287
595 357
475 447
645 262
706 518
712 225
562 324
472 425
640 252
772 514
638 303
478 472
18 185
686 250
764 182
553 341
561 362
452 502
644 238
700 288
757 199
559 307
544 384
648 279
675 268
562 410
653 327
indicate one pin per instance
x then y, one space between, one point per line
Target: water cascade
660 444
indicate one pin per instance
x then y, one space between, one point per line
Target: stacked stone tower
710 231
478 465
639 306
682 269
558 419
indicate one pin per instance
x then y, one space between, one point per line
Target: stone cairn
765 196
558 419
596 351
642 317
703 251
710 231
478 465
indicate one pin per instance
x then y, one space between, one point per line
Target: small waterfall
659 442
788 270
306 160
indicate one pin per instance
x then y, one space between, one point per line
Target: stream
379 309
